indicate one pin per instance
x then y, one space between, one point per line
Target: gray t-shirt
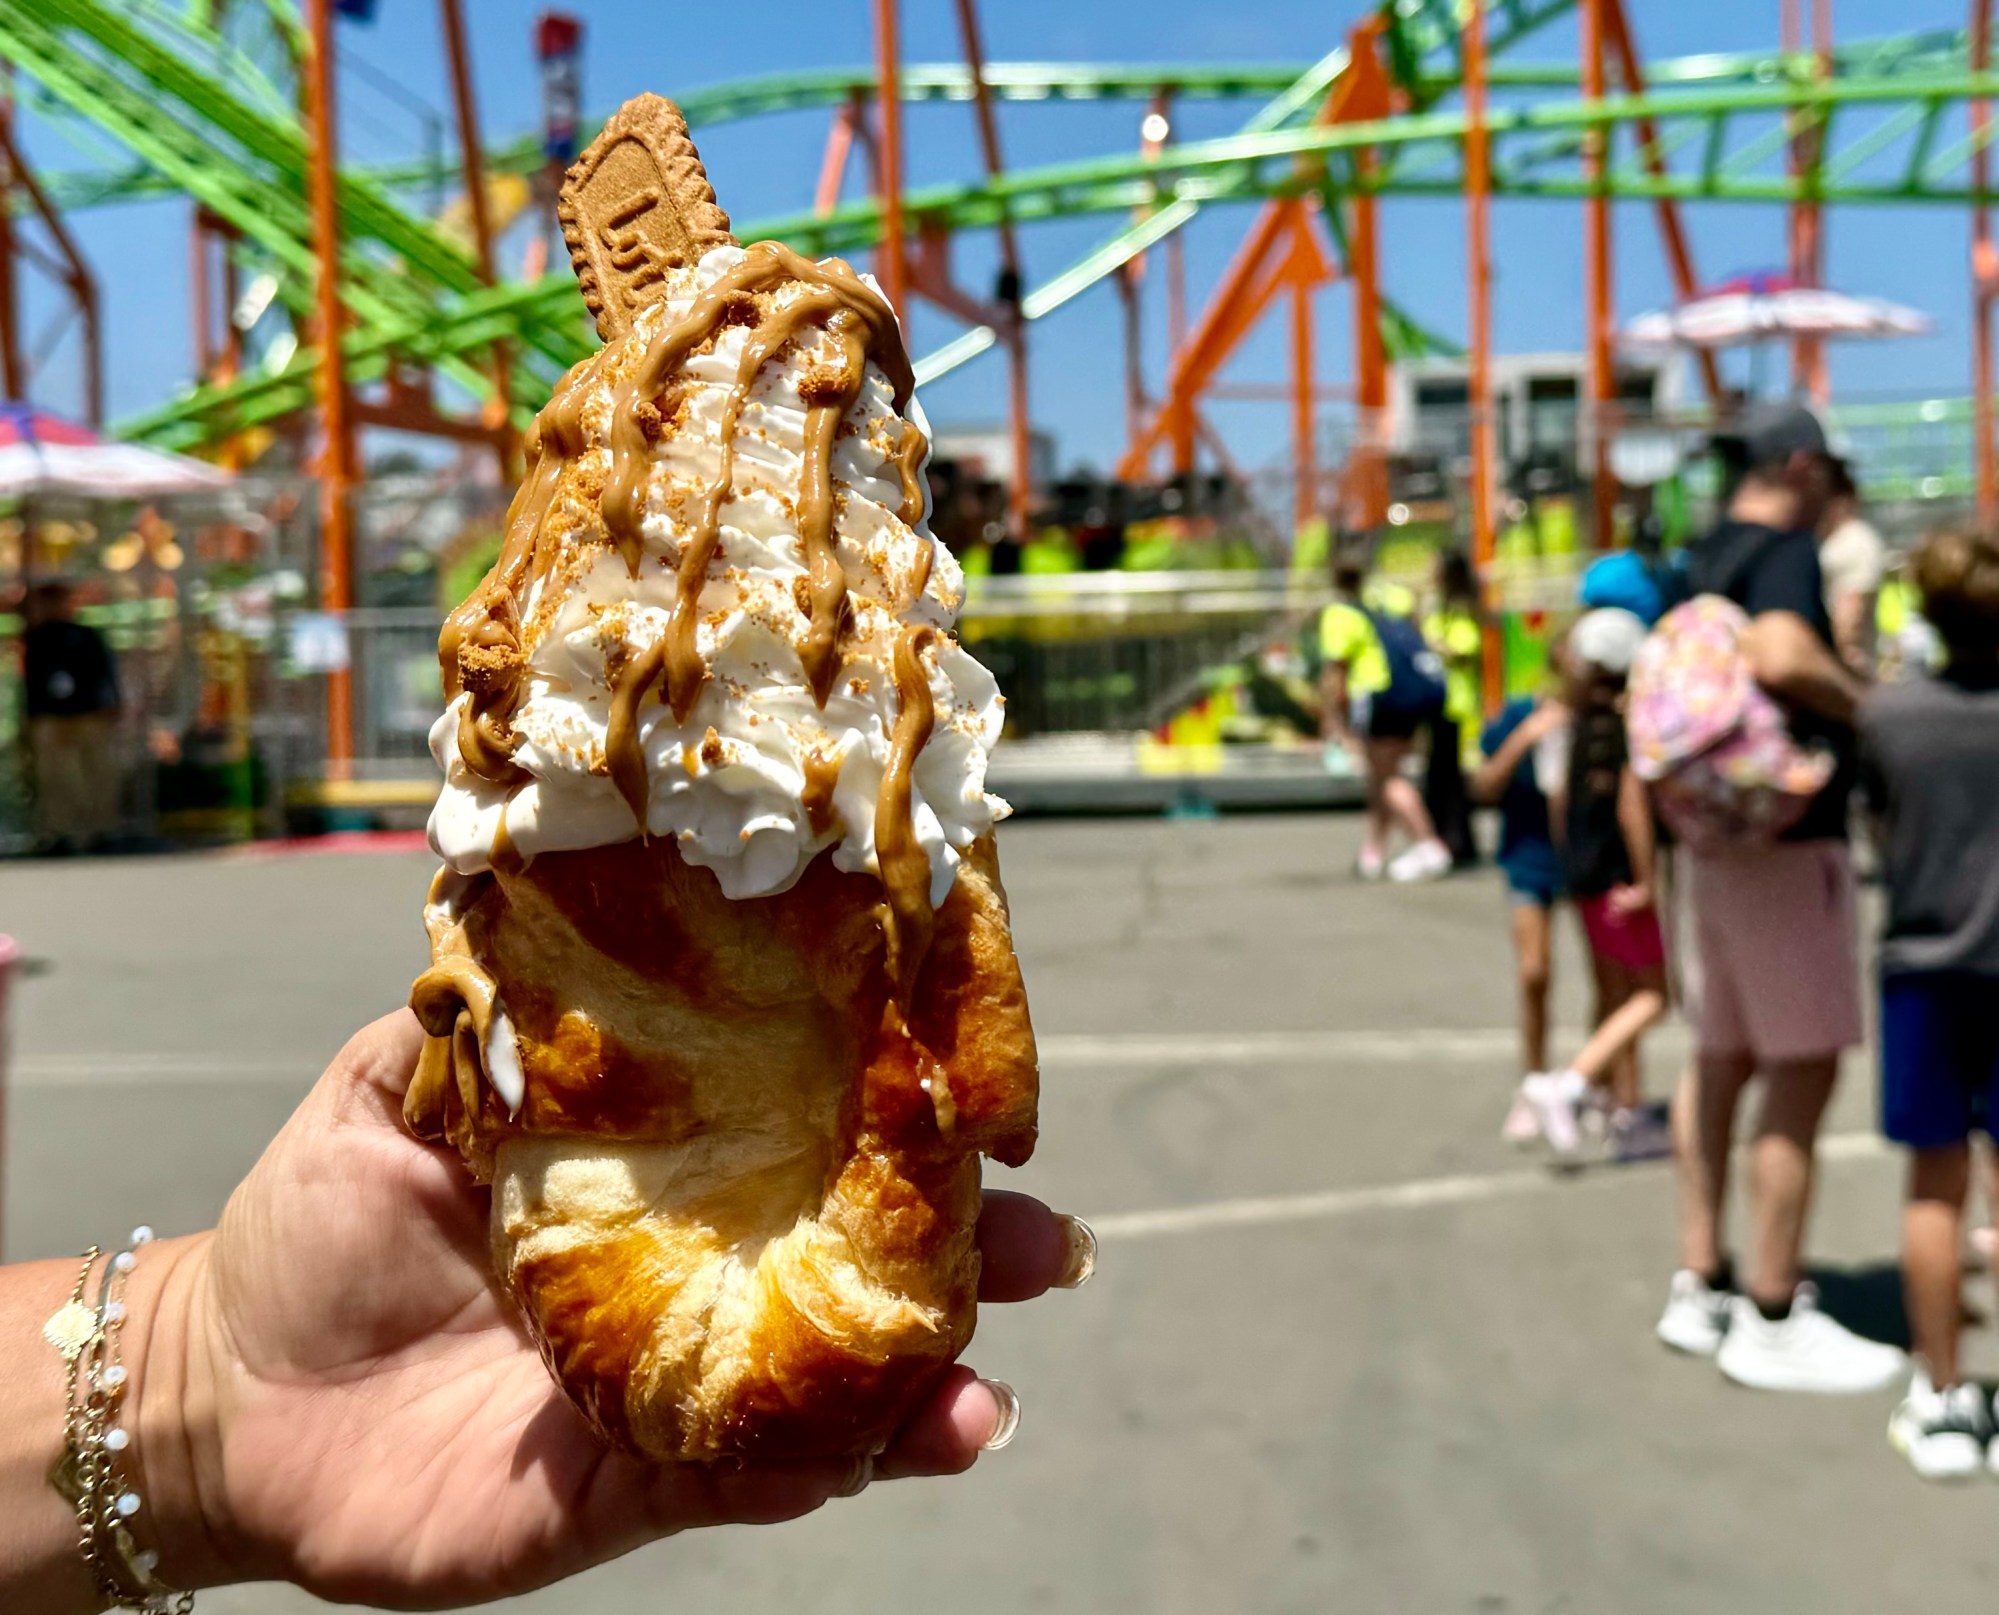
1930 762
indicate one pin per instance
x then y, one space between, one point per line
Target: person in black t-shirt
70 688
1774 930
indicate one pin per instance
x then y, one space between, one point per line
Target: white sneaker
1696 1316
1427 860
1371 863
1806 1351
1556 1096
1944 1433
1522 1128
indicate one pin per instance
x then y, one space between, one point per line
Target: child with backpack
1604 834
1930 767
1380 686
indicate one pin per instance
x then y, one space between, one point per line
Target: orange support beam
1807 235
1367 495
833 165
1263 267
1598 302
1679 257
1984 280
1478 273
888 56
472 159
336 468
67 266
1013 324
1305 498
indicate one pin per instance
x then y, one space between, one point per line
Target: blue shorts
1533 873
1534 887
1939 1057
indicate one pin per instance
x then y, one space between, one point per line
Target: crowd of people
1692 782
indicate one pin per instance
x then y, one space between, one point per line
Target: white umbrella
42 453
1769 308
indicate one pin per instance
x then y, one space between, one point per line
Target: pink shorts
1774 926
1631 940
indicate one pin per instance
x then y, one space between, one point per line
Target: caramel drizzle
480 647
826 579
822 778
902 862
622 753
910 448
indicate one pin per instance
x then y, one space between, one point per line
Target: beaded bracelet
94 1442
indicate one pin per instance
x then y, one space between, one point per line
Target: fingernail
1008 1424
1080 1258
858 1477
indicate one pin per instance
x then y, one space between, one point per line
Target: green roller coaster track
189 112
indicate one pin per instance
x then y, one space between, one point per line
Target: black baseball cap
1769 434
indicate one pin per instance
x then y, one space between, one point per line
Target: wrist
179 1418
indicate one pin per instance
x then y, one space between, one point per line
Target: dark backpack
1415 672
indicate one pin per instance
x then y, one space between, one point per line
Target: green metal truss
197 113
711 106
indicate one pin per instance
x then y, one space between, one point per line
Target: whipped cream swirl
759 778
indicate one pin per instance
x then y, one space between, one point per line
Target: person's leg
1782 1166
1380 822
1710 1102
61 778
102 785
1400 800
1533 949
1638 1000
1932 1219
1444 793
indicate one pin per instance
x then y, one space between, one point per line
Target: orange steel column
1369 495
1305 500
474 166
336 469
1478 250
1020 495
889 263
833 165
1679 258
1984 278
1597 299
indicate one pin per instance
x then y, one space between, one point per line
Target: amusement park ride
1425 98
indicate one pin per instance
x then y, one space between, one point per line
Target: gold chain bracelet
90 1472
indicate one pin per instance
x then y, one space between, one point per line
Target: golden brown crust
738 1199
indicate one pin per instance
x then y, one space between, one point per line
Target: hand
368 1418
1543 721
1625 901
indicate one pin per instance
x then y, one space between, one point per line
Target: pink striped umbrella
1770 308
42 453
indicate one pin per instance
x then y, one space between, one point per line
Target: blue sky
1917 256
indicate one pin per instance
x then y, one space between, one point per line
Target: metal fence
1073 653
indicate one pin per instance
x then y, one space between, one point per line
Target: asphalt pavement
1344 1350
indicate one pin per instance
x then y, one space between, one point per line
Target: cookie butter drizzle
481 649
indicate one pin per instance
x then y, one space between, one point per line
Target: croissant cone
736 1203
723 1002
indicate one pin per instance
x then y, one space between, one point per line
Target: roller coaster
201 100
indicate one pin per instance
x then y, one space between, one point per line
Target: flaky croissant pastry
723 1001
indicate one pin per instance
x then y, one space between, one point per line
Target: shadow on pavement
1867 1299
